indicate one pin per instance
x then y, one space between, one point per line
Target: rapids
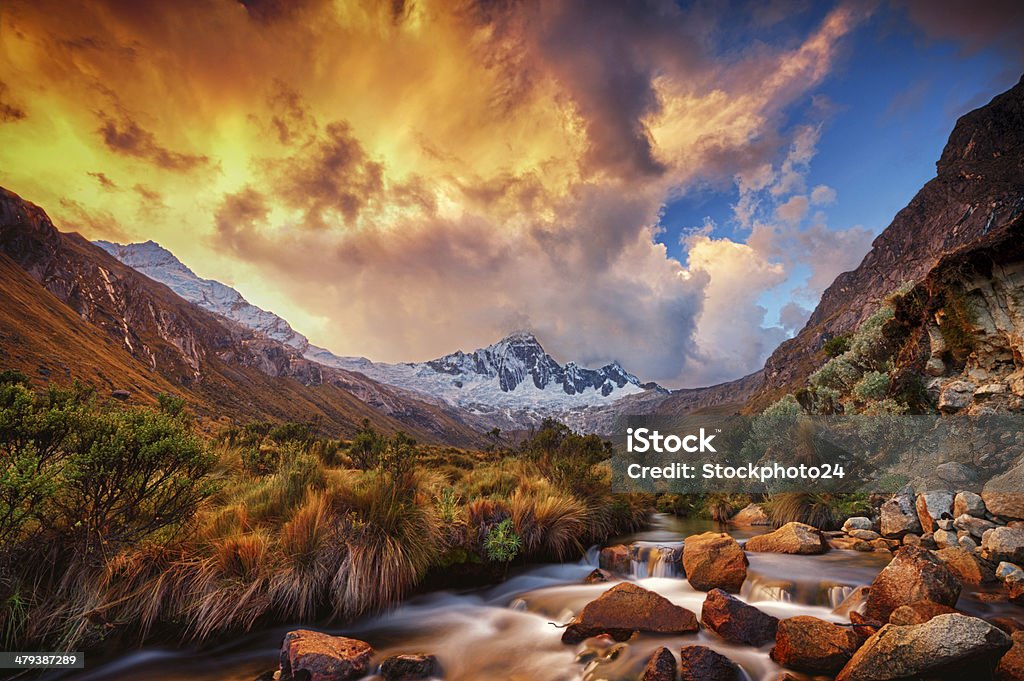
508 631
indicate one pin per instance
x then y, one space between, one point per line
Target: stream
507 632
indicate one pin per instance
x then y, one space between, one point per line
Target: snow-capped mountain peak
159 264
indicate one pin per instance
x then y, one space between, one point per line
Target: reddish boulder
700 663
862 626
313 656
1011 666
714 561
617 559
808 644
735 621
662 666
914 574
409 667
597 576
627 608
966 566
795 538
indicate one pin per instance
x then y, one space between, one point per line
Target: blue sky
885 112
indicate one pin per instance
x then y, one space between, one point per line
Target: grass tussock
266 524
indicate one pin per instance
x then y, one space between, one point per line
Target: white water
508 632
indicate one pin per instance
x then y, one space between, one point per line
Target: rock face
714 561
931 506
913 575
409 667
965 566
899 515
735 621
971 203
311 656
808 644
795 538
700 663
662 666
627 608
947 644
1003 544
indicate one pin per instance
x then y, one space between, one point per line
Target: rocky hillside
973 204
153 339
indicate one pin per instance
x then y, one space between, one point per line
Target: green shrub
836 345
502 544
872 386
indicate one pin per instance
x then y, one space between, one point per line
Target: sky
667 185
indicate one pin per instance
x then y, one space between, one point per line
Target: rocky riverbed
758 604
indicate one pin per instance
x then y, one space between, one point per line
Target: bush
872 386
502 543
836 345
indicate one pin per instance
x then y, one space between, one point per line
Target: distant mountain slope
977 194
154 339
161 265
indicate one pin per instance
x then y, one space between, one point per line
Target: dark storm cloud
975 25
123 135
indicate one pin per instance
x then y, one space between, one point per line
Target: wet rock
714 561
793 538
808 644
864 627
751 514
617 559
857 523
931 506
409 667
850 544
627 608
312 656
700 663
914 574
1003 544
949 645
1007 570
1011 665
736 621
662 666
597 576
976 527
965 565
969 503
866 535
918 612
854 602
898 515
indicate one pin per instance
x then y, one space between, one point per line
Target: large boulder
661 667
1001 496
914 574
931 506
966 566
735 621
627 608
808 644
700 663
617 559
714 561
1003 544
898 515
1011 666
751 514
797 538
409 667
312 656
969 503
946 645
919 612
